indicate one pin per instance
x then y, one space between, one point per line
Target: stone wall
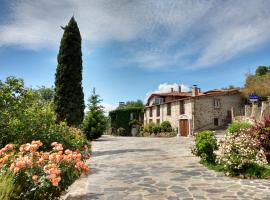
175 113
199 111
255 112
205 112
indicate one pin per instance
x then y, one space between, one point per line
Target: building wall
175 113
205 112
199 111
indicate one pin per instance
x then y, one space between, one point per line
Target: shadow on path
112 152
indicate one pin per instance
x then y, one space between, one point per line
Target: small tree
95 122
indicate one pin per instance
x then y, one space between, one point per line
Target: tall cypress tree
69 98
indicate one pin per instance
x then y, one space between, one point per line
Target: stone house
189 112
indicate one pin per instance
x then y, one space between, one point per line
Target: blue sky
133 48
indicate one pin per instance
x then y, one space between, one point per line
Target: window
150 112
182 108
158 100
158 110
150 120
169 105
216 103
216 121
158 121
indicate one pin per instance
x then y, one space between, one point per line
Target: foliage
122 118
166 126
69 98
237 125
241 151
149 127
262 70
25 117
263 131
40 175
46 94
132 104
258 83
95 122
205 145
158 128
6 185
121 132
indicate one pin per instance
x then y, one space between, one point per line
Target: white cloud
186 33
106 106
166 87
109 107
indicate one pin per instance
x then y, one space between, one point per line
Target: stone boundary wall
254 112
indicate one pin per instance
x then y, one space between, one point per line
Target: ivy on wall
121 118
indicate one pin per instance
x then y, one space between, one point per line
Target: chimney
195 91
171 89
179 89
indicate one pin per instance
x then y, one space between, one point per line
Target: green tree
132 104
95 122
46 94
69 98
262 70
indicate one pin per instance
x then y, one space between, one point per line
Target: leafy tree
95 122
132 104
46 94
68 99
262 70
25 117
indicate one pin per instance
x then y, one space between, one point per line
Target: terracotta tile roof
189 94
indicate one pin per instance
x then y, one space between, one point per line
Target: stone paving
136 168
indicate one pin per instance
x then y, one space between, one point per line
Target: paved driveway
157 168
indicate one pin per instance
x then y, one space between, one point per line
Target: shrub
166 126
156 129
25 117
240 151
121 132
37 174
205 145
237 125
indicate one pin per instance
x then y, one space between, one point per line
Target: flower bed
34 174
244 152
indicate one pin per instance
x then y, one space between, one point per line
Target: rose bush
40 174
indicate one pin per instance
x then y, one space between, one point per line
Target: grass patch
252 171
214 166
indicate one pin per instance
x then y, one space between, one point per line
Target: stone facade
204 111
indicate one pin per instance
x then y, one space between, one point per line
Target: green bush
166 126
237 125
156 129
205 145
121 132
25 117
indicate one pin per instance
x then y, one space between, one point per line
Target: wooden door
184 128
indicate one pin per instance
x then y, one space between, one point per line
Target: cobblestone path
157 168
